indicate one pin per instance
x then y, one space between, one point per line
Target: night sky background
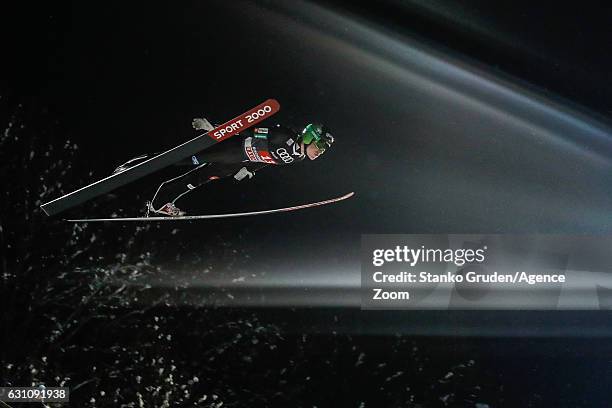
449 118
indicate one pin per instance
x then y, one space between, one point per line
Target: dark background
88 85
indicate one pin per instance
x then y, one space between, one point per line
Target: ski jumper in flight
239 156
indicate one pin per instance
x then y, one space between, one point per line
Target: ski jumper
239 156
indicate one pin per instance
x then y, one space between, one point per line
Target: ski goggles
321 145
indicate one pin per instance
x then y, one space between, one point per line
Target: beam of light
411 63
583 290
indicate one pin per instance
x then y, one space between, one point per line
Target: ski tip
347 195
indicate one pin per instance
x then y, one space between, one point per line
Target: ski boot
167 210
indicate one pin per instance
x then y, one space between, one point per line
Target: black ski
213 216
180 152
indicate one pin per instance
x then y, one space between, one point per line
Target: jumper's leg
171 190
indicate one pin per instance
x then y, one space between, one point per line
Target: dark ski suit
239 156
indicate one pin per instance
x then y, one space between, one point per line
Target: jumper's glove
201 124
242 173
